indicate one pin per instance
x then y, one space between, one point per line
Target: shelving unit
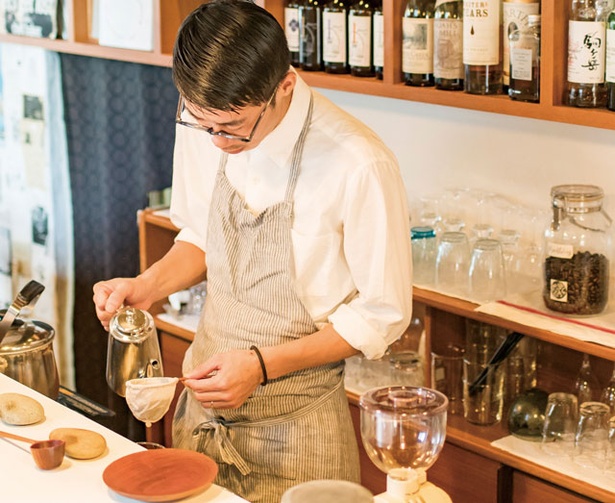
168 16
470 469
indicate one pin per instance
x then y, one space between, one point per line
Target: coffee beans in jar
577 244
579 285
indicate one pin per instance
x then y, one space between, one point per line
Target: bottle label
521 64
586 52
481 32
417 56
515 17
610 56
448 48
291 28
560 250
334 37
359 40
379 41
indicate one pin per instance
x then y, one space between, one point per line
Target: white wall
441 147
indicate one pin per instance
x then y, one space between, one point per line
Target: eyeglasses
181 107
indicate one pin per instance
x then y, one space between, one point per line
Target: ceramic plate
161 474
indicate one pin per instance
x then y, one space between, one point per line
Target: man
296 215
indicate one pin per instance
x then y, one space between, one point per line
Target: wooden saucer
161 474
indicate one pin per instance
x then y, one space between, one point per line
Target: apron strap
295 166
220 429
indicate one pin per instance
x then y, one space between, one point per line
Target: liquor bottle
586 53
448 45
610 62
586 384
524 82
378 43
417 51
310 35
360 37
515 17
482 48
335 36
291 29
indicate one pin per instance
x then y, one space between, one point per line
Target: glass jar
424 250
577 246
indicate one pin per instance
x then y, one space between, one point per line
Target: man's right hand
111 295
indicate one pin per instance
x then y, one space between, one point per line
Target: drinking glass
561 418
487 280
452 262
485 405
446 372
592 436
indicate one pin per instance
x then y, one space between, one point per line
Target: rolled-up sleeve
378 253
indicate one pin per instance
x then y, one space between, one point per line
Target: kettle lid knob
131 324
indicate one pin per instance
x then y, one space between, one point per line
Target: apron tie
227 451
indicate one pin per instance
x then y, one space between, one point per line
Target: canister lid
26 335
575 197
131 325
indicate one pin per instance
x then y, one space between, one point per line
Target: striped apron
297 427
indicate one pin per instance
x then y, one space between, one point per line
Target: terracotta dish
161 474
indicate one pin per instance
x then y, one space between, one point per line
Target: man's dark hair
229 54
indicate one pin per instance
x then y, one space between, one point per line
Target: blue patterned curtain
120 128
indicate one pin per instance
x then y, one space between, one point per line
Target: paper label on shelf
127 24
586 52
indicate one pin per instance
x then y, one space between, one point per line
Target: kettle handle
28 295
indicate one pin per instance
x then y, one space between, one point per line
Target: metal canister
133 350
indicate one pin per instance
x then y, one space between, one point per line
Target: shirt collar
279 144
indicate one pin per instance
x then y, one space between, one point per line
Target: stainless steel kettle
26 355
133 350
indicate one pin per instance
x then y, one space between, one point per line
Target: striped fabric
297 427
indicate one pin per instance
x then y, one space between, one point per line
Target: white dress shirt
351 240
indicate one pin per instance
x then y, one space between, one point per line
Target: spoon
47 454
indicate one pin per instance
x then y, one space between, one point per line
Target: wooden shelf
168 16
466 309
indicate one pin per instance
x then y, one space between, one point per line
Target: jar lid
422 232
26 335
579 198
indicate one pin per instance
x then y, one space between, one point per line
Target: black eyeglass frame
181 106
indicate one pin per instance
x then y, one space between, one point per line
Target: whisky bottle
448 45
586 53
482 48
310 35
360 36
291 29
514 17
378 43
610 62
524 62
417 49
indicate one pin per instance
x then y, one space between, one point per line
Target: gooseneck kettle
133 350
